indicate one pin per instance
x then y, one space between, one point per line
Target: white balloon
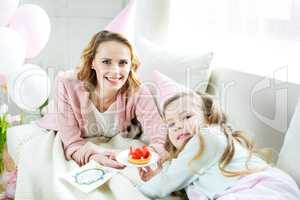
7 10
30 87
12 51
33 23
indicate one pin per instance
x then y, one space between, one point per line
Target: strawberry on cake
139 155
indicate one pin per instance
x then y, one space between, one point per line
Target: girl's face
184 117
112 64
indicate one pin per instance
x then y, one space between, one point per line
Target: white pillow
289 158
184 66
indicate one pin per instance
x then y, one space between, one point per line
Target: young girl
210 161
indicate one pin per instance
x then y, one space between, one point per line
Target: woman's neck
103 99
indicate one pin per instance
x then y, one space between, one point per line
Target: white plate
122 157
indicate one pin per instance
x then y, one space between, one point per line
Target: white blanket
40 158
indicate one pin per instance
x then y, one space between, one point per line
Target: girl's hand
107 159
162 157
146 173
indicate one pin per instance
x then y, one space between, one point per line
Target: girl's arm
180 172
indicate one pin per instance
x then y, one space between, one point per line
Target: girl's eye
187 116
123 62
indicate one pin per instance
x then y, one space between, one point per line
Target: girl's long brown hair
215 116
88 75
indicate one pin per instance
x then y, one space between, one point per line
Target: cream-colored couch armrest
289 159
17 136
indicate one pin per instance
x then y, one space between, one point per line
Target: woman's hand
91 151
146 173
83 154
107 158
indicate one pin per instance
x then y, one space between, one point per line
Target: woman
92 104
106 78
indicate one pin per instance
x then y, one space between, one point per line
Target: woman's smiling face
112 63
183 117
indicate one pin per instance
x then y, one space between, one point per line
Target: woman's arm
153 126
68 127
76 147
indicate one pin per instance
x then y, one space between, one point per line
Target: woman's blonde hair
88 75
214 116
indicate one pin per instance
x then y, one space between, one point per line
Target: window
253 36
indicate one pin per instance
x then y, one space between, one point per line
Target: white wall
73 22
152 20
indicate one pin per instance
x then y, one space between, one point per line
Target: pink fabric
2 80
9 180
266 185
166 87
68 115
124 22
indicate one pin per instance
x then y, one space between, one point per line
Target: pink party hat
124 22
166 88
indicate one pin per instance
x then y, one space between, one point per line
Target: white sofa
272 117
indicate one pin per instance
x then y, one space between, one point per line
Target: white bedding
41 162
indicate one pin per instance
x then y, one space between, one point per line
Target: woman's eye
106 62
170 125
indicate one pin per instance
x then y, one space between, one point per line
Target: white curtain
254 18
256 36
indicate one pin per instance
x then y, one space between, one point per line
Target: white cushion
191 69
289 158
